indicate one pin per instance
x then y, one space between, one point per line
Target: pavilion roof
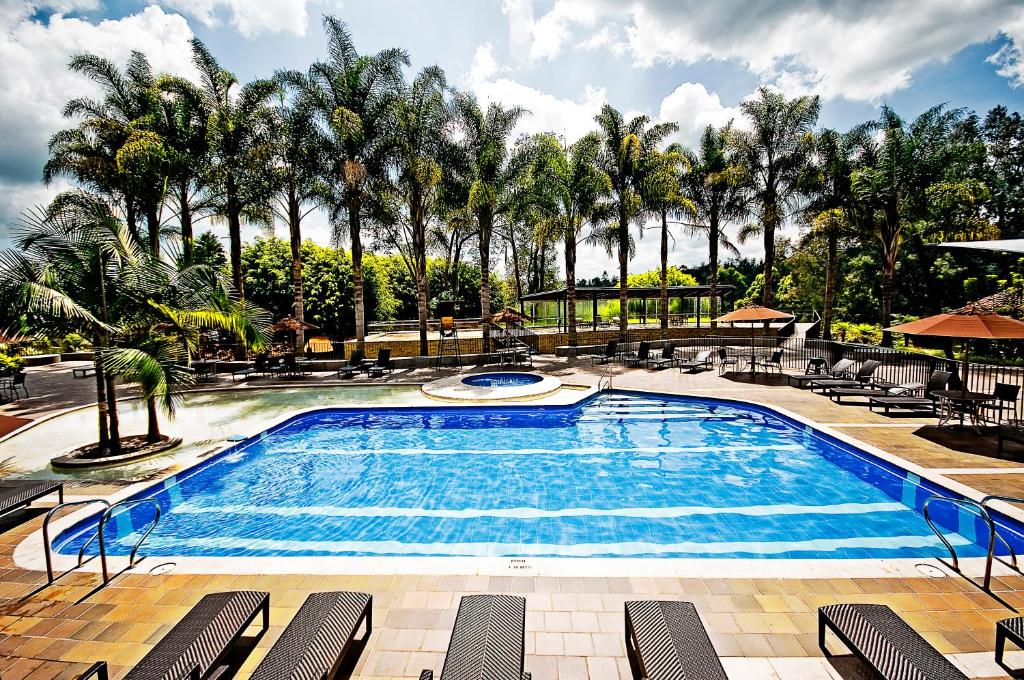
634 292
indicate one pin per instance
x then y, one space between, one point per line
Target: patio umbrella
972 322
509 315
752 314
290 323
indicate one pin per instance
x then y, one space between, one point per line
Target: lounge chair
839 371
18 493
836 394
668 357
382 364
884 641
638 357
702 360
354 365
197 647
488 641
1012 630
861 378
725 360
610 350
665 640
772 363
318 637
259 367
936 381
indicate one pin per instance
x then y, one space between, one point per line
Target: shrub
10 365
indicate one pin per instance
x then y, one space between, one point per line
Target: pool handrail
982 510
46 537
108 513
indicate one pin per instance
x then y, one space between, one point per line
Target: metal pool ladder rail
981 508
104 518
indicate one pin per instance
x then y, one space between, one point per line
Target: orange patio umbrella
753 314
972 322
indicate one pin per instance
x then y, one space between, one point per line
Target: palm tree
300 154
238 131
419 148
495 178
624 158
663 197
775 150
716 186
355 95
115 149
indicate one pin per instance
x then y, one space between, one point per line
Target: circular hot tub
502 380
498 386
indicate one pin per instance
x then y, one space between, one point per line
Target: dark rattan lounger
17 493
198 644
319 636
884 641
838 372
488 641
665 640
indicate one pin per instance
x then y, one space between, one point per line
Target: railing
413 325
515 333
814 330
47 548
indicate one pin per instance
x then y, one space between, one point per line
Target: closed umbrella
753 314
972 322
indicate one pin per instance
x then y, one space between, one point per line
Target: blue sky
685 60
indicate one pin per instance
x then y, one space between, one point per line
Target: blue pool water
502 379
624 474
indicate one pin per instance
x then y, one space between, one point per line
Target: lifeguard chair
449 341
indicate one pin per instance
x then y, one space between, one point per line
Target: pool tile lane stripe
580 451
538 513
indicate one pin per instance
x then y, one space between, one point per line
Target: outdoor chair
725 360
382 363
638 357
885 642
289 366
13 386
488 641
703 359
354 365
610 350
318 638
937 381
197 646
772 363
18 493
665 640
1005 401
839 371
274 366
836 394
259 367
668 357
861 378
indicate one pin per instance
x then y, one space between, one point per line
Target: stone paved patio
764 628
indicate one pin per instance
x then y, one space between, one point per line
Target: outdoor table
959 403
206 369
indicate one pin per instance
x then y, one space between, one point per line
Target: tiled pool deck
764 628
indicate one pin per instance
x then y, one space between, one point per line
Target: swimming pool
502 379
620 475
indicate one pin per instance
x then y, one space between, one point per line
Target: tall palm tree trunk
101 398
153 226
113 419
570 285
663 301
713 233
152 421
832 248
623 274
358 288
235 244
419 246
295 232
768 294
185 217
486 227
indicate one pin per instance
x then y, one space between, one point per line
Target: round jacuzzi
496 386
502 380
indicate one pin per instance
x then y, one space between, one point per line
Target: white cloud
858 49
547 113
693 108
35 82
250 17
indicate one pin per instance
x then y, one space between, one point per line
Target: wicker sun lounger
381 365
936 381
641 355
197 646
319 636
18 493
354 365
665 359
488 641
703 359
665 640
836 394
884 641
863 375
610 350
839 371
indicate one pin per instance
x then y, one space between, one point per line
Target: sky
688 61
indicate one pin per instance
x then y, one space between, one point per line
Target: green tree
625 151
775 150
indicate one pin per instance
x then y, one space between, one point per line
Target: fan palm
626 148
717 189
775 150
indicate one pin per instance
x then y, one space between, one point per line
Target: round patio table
959 403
